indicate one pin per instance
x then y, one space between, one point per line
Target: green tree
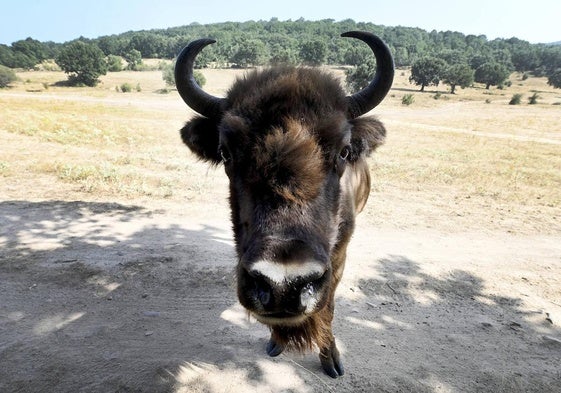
284 56
114 63
360 76
427 71
83 62
134 59
458 75
554 79
33 50
491 74
358 54
453 57
168 74
251 53
7 76
313 52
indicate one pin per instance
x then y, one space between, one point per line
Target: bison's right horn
366 99
197 99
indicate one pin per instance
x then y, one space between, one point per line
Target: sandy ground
114 295
109 297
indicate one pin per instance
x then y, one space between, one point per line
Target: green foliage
7 76
250 53
114 63
491 74
199 78
293 42
554 79
360 76
458 75
516 99
126 88
134 59
313 52
408 99
357 55
83 62
168 74
427 71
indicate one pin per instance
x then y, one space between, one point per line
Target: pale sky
63 20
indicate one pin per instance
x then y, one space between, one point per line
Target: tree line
256 43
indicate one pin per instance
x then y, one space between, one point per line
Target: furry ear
367 134
201 135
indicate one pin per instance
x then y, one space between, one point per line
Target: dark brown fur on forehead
291 160
275 94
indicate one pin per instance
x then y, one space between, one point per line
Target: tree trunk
452 89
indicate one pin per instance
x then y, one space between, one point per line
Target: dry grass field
116 252
470 153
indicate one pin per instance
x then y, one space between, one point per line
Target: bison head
293 146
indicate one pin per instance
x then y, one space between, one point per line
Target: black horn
369 97
197 99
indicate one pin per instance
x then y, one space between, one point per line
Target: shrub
533 99
515 100
126 88
83 62
7 76
114 63
199 78
168 75
408 99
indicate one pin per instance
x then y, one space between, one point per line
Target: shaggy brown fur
297 174
290 159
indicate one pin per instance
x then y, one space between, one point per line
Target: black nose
263 295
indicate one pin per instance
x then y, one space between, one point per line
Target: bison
294 148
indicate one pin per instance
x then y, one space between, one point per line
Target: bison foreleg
331 361
274 348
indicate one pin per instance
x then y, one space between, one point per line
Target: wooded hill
312 42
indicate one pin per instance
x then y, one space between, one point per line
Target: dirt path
107 297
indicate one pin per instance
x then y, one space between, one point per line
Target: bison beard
295 152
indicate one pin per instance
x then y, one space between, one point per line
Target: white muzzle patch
282 273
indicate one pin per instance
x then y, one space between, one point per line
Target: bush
515 100
168 74
360 76
533 99
114 63
84 62
408 99
126 88
7 76
199 78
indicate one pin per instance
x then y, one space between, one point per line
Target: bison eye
345 152
225 154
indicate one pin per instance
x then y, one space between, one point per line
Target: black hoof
274 349
331 361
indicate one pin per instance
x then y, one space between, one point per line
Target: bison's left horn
197 99
369 97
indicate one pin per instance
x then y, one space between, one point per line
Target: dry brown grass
468 155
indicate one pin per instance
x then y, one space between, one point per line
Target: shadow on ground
103 297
